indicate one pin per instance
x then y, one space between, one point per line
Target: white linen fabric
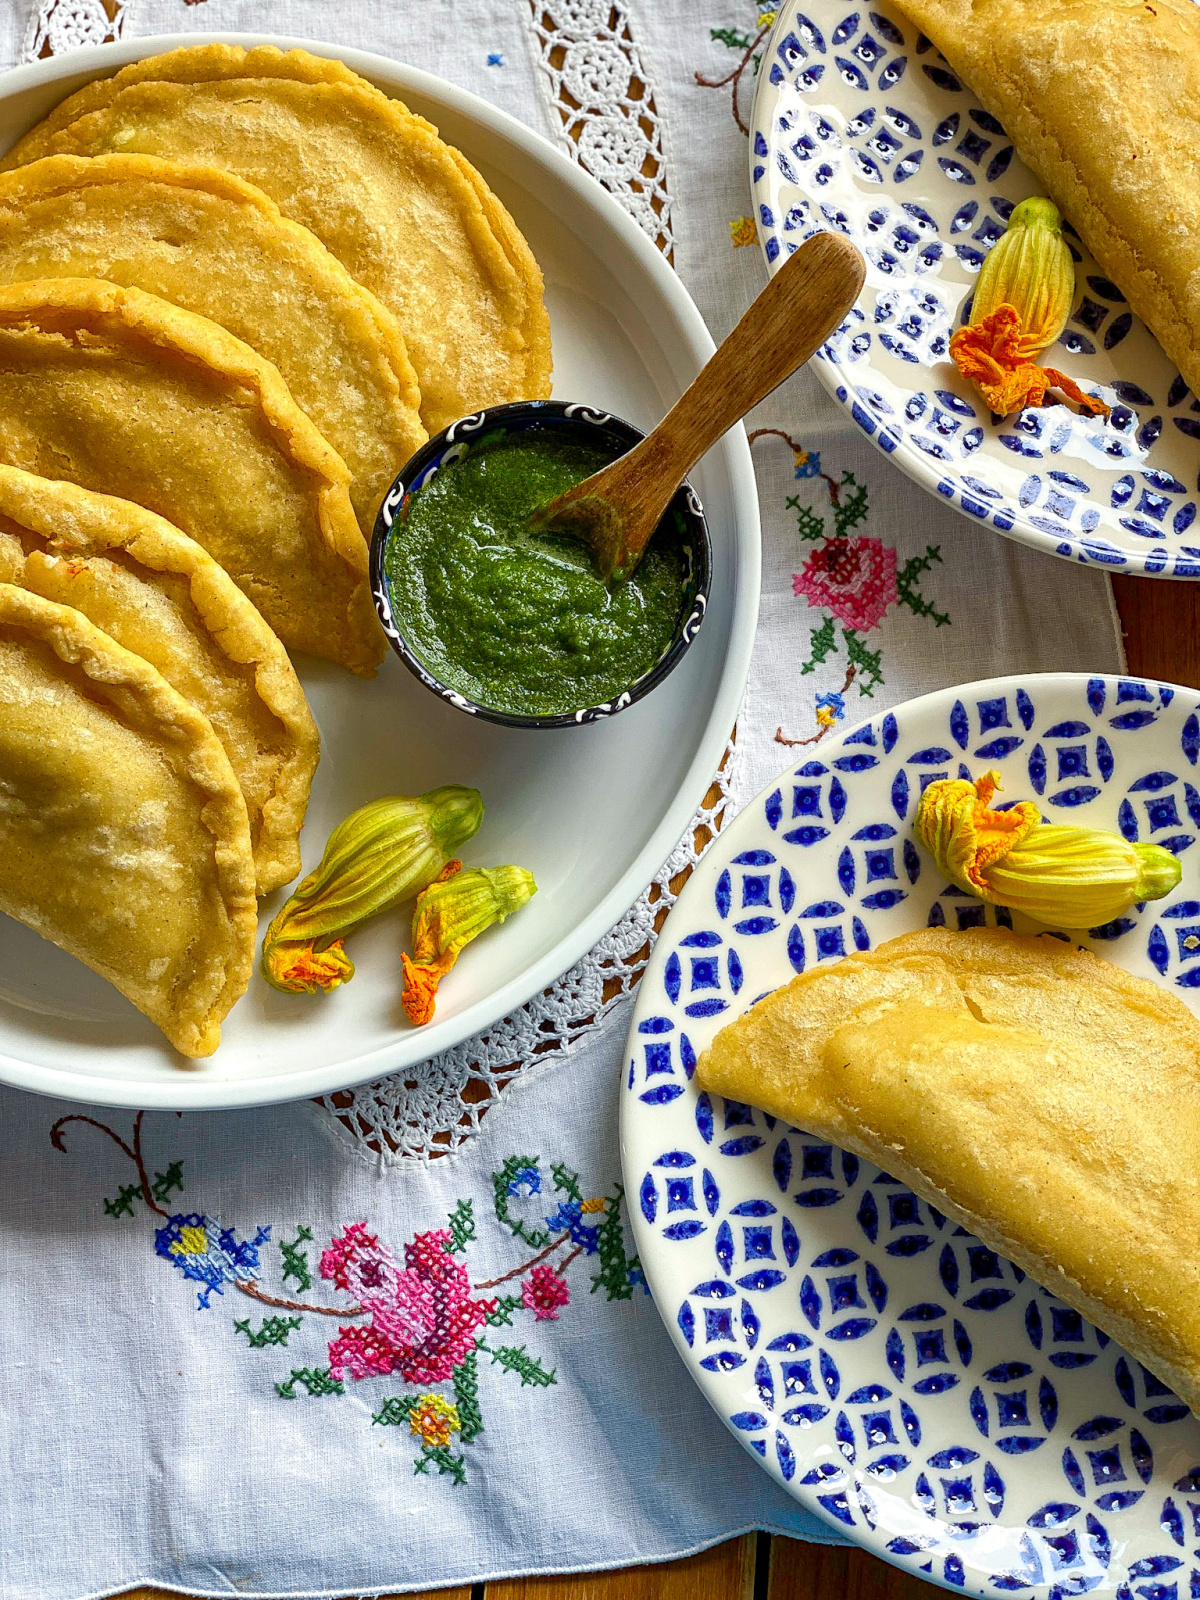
177 1410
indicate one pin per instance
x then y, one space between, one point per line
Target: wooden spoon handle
792 317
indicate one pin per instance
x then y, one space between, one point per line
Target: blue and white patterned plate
893 1373
859 125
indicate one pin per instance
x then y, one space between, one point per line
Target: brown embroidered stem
255 1293
134 1152
835 488
525 1267
735 77
816 738
567 1260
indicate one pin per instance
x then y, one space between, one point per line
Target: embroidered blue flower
808 464
834 703
495 59
569 1218
525 1180
208 1253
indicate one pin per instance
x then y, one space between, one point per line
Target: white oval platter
628 339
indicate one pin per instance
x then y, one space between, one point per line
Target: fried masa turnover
126 394
157 593
209 242
406 214
151 880
1038 1095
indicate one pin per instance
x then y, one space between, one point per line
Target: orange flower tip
421 980
448 871
300 969
987 355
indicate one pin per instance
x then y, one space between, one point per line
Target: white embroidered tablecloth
220 1374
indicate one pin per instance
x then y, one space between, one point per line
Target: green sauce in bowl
515 620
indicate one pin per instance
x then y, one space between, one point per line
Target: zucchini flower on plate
1022 300
382 853
455 909
1061 876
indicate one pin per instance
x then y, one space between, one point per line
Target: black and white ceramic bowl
570 419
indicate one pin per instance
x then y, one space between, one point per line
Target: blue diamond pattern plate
891 1371
859 126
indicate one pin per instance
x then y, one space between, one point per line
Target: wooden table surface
1162 639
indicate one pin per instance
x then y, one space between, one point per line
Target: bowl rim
572 413
181 1091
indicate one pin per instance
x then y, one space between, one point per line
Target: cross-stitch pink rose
423 1319
854 578
543 1292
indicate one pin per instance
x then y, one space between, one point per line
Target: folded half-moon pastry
121 392
1102 99
1038 1095
209 242
406 214
157 593
123 832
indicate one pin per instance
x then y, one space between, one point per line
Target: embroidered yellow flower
433 1420
742 231
766 19
825 717
192 1241
1022 300
589 1207
1061 876
381 854
451 912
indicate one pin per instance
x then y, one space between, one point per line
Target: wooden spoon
616 510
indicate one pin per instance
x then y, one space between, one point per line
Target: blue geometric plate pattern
860 126
892 1372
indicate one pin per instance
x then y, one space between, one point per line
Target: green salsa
516 620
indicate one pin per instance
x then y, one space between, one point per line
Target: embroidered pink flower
423 1319
543 1291
854 578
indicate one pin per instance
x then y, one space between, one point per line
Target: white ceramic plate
592 812
859 125
890 1371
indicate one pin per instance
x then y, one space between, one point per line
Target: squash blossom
1061 876
1022 300
455 909
383 853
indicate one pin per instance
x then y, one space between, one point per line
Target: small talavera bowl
525 416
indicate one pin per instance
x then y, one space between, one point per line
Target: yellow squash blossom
1022 300
383 853
448 915
1061 876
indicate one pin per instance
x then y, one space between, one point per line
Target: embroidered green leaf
868 662
506 1304
566 1181
910 595
466 1396
295 1260
395 1409
849 510
730 38
444 1460
462 1225
165 1182
822 642
502 1186
274 1330
315 1379
513 1358
122 1206
808 524
613 1276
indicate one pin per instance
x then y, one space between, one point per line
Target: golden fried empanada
121 392
123 832
209 242
1102 99
407 216
157 593
1038 1095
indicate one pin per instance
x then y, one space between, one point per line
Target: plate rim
909 461
645 1241
182 1092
